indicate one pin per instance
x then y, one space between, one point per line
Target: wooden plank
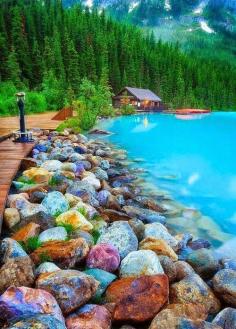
11 155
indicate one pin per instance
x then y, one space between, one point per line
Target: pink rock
104 256
89 317
19 302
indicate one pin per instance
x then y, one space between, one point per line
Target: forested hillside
49 49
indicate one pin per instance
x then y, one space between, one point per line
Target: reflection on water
193 160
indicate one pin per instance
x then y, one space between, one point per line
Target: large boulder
17 302
138 299
120 235
139 263
55 203
89 317
75 219
18 272
192 289
159 231
224 284
65 254
104 256
71 288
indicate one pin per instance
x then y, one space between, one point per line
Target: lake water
192 158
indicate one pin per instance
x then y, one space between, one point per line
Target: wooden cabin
142 99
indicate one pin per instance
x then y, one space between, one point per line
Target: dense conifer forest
49 49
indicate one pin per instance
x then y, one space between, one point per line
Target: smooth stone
169 267
82 234
39 321
93 181
71 288
104 278
121 236
68 166
72 199
114 215
192 289
103 256
55 203
14 199
198 244
46 267
87 208
52 165
138 227
38 175
103 197
65 254
53 234
16 272
86 164
29 209
159 246
37 196
10 248
11 217
159 231
100 173
229 264
145 215
138 299
44 220
17 302
75 219
226 319
224 284
203 262
28 231
183 269
139 263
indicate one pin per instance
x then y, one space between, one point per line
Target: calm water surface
193 159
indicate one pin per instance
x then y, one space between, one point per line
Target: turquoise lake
193 158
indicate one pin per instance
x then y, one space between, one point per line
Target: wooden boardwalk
11 155
43 121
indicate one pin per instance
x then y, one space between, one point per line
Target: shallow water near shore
193 158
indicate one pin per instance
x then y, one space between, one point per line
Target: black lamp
22 135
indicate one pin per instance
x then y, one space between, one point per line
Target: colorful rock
38 175
71 288
89 317
39 321
104 256
75 219
55 203
11 217
138 299
17 302
28 231
203 262
224 284
53 234
10 248
65 254
159 246
159 231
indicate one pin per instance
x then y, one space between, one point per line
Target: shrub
70 123
127 110
31 244
35 102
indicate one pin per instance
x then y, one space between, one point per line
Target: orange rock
189 311
64 253
159 246
26 232
138 299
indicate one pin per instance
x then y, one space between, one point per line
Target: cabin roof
143 94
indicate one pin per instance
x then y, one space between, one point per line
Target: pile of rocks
84 248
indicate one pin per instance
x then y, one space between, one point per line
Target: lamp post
22 136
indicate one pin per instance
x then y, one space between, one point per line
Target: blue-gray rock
120 235
145 215
229 264
224 284
159 231
138 227
46 267
105 165
87 165
10 248
69 166
199 243
103 197
226 319
81 189
100 173
53 234
139 263
41 218
55 203
39 321
52 165
204 262
74 157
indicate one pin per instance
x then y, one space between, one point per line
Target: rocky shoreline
84 246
